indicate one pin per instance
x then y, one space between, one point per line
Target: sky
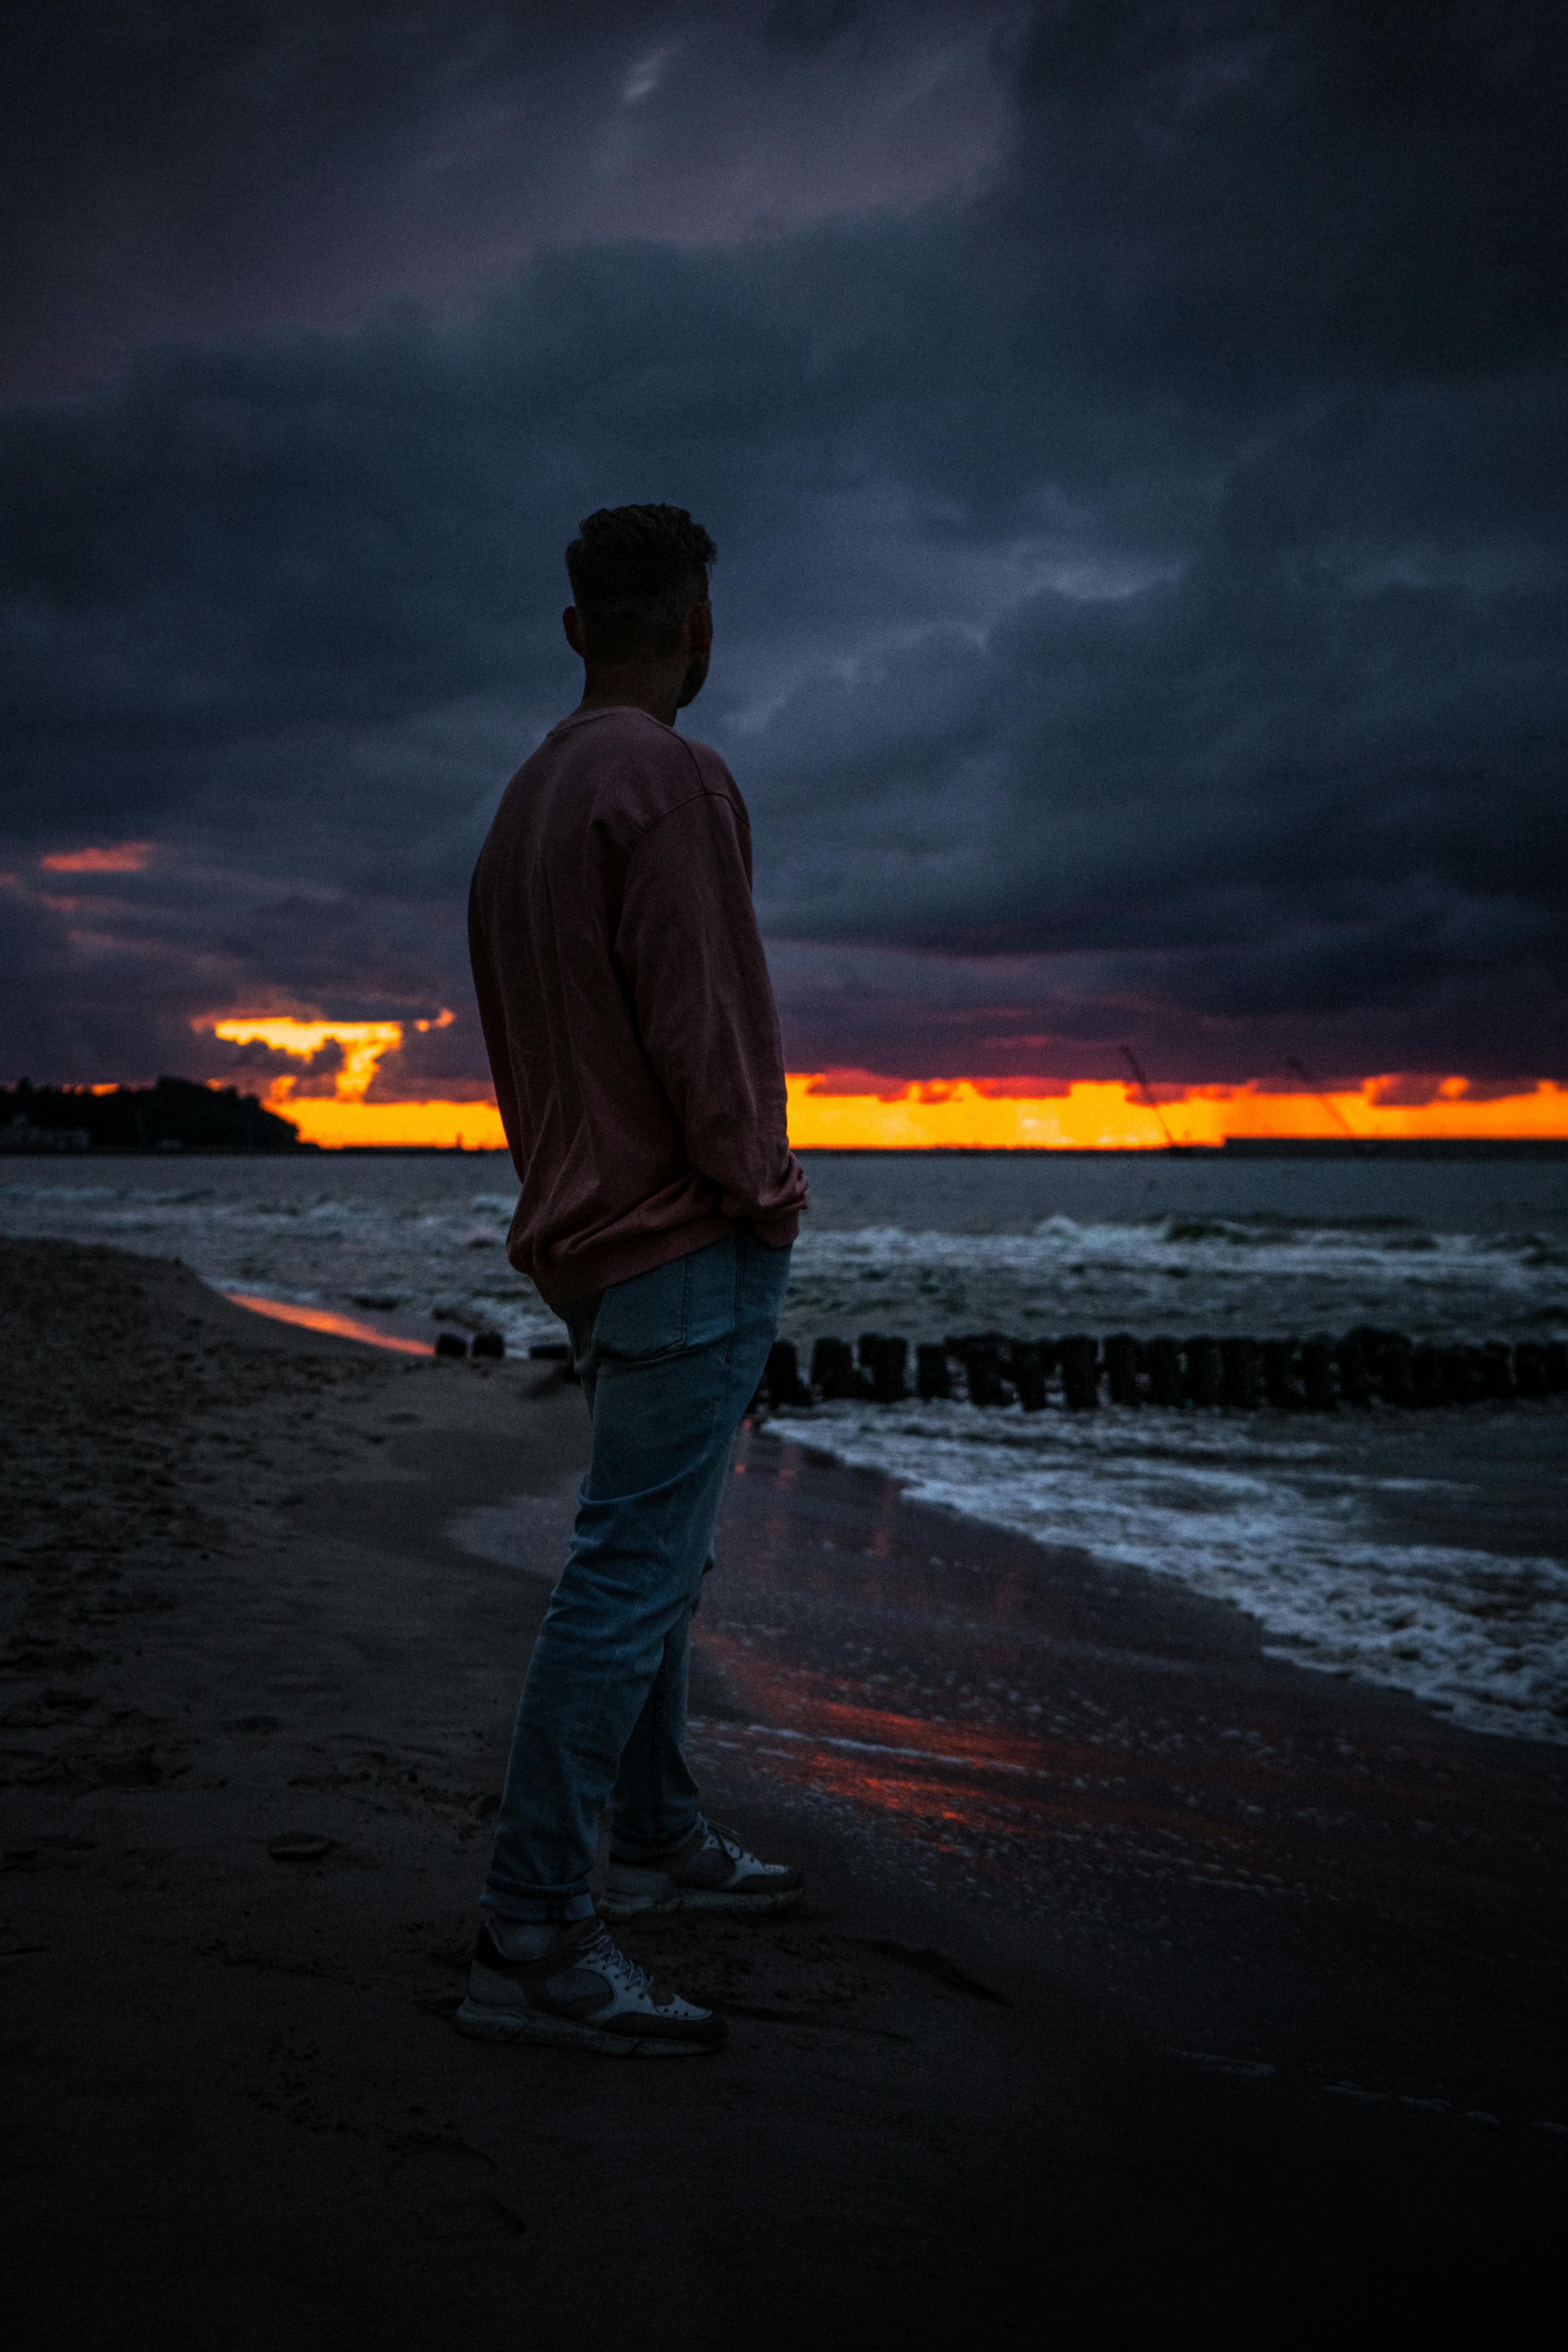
1134 438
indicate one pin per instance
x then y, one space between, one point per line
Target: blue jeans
668 1363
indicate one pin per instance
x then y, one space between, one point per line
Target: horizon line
951 1114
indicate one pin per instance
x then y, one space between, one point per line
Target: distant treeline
173 1111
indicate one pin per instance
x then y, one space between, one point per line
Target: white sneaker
583 1990
712 1872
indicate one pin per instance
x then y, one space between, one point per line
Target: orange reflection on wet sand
867 1730
977 1798
891 1785
911 1768
324 1319
975 1788
932 1794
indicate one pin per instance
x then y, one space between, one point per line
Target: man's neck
634 688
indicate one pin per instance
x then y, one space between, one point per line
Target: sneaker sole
530 2025
696 1898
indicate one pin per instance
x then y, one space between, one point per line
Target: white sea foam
1250 1513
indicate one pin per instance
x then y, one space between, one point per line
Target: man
635 1046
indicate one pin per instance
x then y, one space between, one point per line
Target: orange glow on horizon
362 1043
855 1111
986 1115
344 1117
450 1126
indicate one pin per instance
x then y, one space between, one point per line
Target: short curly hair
634 571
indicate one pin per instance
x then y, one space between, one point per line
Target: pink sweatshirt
626 1007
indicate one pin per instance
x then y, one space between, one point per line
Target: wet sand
1239 2021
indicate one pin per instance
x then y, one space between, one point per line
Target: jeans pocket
692 1302
648 1316
718 1277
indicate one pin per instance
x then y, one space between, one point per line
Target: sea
1424 1550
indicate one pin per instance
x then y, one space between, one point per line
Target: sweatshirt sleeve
689 946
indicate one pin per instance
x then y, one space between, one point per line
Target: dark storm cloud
184 168
1142 585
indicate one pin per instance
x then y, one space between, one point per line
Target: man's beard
691 684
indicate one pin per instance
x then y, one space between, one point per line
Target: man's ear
573 629
697 629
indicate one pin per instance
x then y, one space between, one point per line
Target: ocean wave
1268 1276
417 1229
1273 1525
67 1195
1055 1238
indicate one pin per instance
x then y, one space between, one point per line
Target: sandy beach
1274 2046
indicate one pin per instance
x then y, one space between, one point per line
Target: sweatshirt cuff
777 1232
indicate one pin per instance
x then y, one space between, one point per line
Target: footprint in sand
449 2190
300 1845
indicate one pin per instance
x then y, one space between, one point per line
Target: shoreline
1418 1551
236 1610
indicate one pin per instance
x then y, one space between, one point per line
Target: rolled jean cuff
641 1850
540 1910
